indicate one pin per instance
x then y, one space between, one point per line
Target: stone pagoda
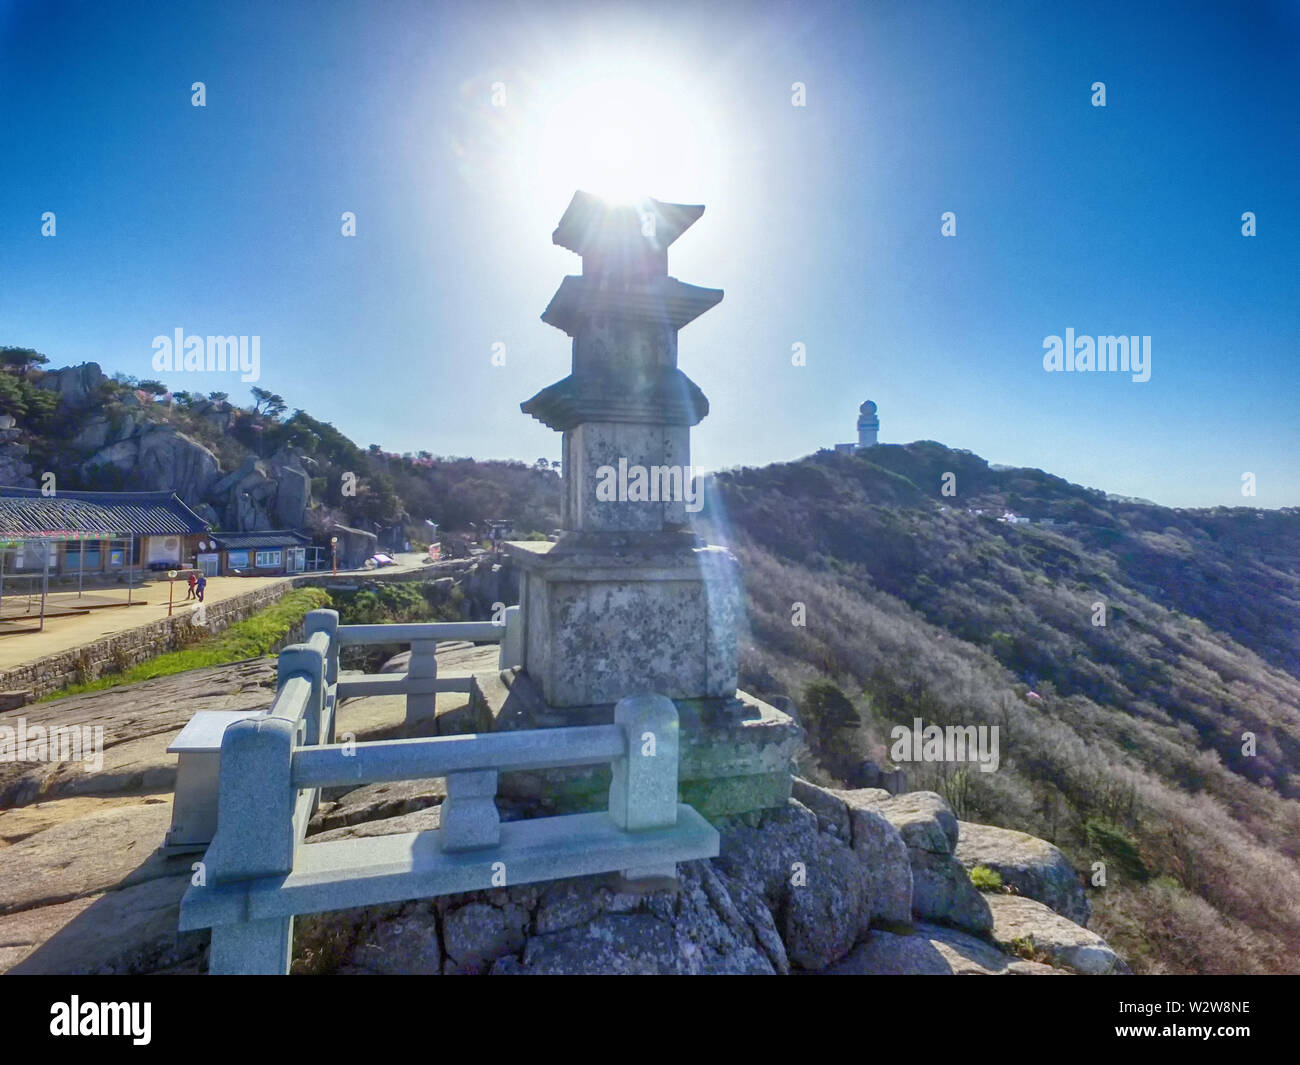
629 600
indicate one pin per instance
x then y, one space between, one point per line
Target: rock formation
826 883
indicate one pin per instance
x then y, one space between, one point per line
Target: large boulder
292 497
93 435
168 460
941 888
1024 926
848 816
160 458
1033 867
225 485
15 470
924 820
244 514
932 951
885 857
942 891
355 545
811 881
121 456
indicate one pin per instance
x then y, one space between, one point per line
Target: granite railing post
326 621
643 784
512 643
469 818
255 838
299 658
422 681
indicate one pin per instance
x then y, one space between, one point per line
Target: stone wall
122 650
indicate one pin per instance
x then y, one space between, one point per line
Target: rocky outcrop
15 470
146 454
931 950
293 492
1031 866
78 386
828 883
261 495
159 458
941 887
1023 926
813 885
848 816
244 496
170 460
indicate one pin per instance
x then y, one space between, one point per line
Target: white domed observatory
868 429
868 425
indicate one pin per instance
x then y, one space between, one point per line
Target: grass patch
250 638
1026 949
986 879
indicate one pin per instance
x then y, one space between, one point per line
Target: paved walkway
67 632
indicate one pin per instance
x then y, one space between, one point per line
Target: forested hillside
1129 653
244 462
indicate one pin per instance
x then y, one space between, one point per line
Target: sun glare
621 139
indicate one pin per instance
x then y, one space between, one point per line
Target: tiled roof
25 512
273 538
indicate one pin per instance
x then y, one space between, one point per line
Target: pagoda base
606 615
735 753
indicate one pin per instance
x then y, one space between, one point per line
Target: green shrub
986 879
1118 847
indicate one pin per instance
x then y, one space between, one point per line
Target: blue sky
822 222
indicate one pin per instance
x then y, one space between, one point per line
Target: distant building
256 554
90 533
868 429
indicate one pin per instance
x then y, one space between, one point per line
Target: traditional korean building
256 554
88 533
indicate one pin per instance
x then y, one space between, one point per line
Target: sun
622 139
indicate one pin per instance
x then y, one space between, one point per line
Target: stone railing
258 873
420 683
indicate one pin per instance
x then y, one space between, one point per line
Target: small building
257 554
94 533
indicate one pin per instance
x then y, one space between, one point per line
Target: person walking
193 580
200 585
